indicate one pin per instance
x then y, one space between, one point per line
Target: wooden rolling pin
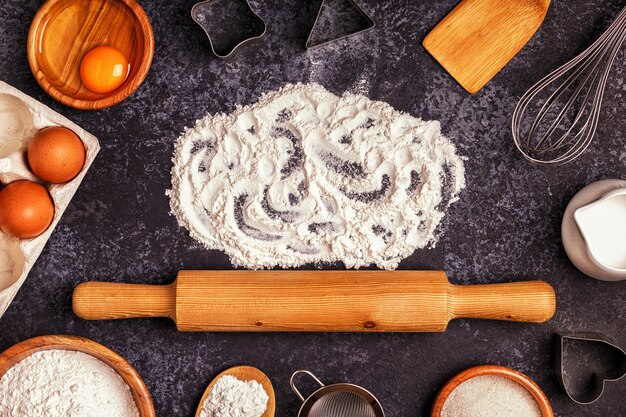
307 301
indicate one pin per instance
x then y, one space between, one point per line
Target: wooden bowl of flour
524 381
129 375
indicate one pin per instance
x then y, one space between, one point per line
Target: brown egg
56 154
26 209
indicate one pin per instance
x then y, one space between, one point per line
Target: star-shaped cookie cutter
206 14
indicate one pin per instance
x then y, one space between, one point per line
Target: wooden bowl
63 31
520 378
138 389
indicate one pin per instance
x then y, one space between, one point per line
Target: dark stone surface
506 226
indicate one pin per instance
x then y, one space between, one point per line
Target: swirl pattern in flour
306 176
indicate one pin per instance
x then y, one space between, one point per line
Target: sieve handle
292 382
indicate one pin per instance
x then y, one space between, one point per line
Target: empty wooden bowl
63 31
512 374
138 389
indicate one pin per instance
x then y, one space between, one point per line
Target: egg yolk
104 69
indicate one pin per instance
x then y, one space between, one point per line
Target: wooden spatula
476 39
351 301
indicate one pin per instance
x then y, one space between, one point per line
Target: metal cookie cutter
228 24
342 16
568 371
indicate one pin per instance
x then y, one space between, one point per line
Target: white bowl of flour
69 376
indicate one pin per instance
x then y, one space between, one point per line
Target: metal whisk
567 120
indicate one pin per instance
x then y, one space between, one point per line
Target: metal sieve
337 400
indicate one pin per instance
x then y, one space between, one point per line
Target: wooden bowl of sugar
24 362
64 31
491 390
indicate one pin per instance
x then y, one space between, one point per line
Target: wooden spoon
245 373
478 37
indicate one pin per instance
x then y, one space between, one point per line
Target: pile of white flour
231 397
60 383
306 176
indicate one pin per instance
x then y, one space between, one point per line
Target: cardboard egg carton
21 117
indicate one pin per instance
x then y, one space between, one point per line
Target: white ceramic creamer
603 226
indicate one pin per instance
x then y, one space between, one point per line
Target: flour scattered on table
306 176
231 397
62 383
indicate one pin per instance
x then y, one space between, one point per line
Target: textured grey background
505 227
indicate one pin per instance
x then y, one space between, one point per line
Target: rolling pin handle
527 301
110 300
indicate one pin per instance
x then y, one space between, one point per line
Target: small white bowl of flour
69 376
491 391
